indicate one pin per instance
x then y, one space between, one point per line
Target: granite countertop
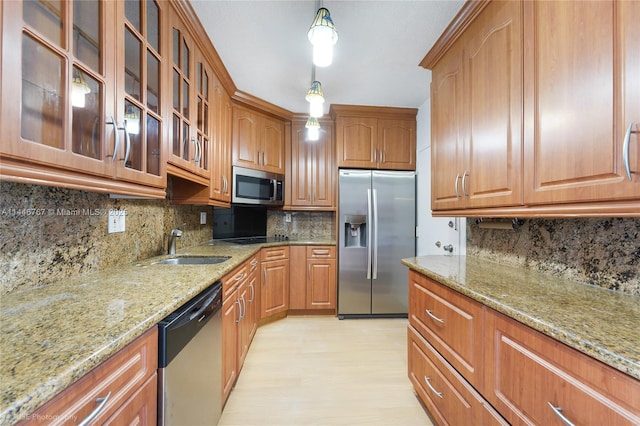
52 336
598 322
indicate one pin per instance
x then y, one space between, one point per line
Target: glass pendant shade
313 129
315 97
322 36
79 88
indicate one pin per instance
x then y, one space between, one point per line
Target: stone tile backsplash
303 225
601 252
49 233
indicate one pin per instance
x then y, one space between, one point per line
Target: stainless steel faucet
173 235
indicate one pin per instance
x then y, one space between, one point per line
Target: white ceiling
264 46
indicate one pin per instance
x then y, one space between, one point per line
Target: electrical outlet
116 221
287 217
203 218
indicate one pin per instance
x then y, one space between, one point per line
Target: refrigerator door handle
375 234
369 217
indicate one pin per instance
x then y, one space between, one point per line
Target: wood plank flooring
323 371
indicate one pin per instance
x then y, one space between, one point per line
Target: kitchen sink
193 260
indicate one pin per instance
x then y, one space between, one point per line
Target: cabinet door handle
239 311
244 308
456 186
224 184
116 138
381 156
558 412
465 175
428 382
264 276
440 320
625 150
127 140
253 293
375 155
309 271
98 409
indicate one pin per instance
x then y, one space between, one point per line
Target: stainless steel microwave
257 187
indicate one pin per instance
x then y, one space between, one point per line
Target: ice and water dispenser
355 231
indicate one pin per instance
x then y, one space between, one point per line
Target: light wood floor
323 371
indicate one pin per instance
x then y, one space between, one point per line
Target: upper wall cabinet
220 189
311 180
190 127
583 101
375 137
258 140
534 116
476 95
62 72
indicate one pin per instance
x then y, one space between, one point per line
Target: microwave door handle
274 189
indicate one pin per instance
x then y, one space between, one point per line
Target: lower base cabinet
313 278
527 378
446 394
274 291
126 383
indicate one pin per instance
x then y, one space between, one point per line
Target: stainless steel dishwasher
190 362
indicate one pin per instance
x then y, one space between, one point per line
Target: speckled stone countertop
52 336
601 323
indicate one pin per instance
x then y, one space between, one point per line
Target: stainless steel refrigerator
376 229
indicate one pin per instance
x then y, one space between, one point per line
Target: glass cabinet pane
86 101
153 146
175 137
86 33
176 47
185 59
200 114
153 25
132 115
132 64
153 82
46 17
132 12
43 94
176 90
185 141
185 99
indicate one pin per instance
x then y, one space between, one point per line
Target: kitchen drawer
141 408
274 253
232 279
446 394
119 377
451 322
531 372
321 252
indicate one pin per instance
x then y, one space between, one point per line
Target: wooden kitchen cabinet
128 378
274 293
446 394
191 98
375 137
477 121
61 122
514 132
258 141
528 375
312 176
220 185
313 278
575 143
451 322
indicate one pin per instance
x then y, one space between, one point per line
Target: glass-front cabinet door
140 98
190 123
58 84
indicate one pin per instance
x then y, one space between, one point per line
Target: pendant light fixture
315 97
313 129
322 36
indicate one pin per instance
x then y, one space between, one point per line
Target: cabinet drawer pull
456 186
558 412
94 413
254 262
428 382
440 320
625 150
239 277
325 252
